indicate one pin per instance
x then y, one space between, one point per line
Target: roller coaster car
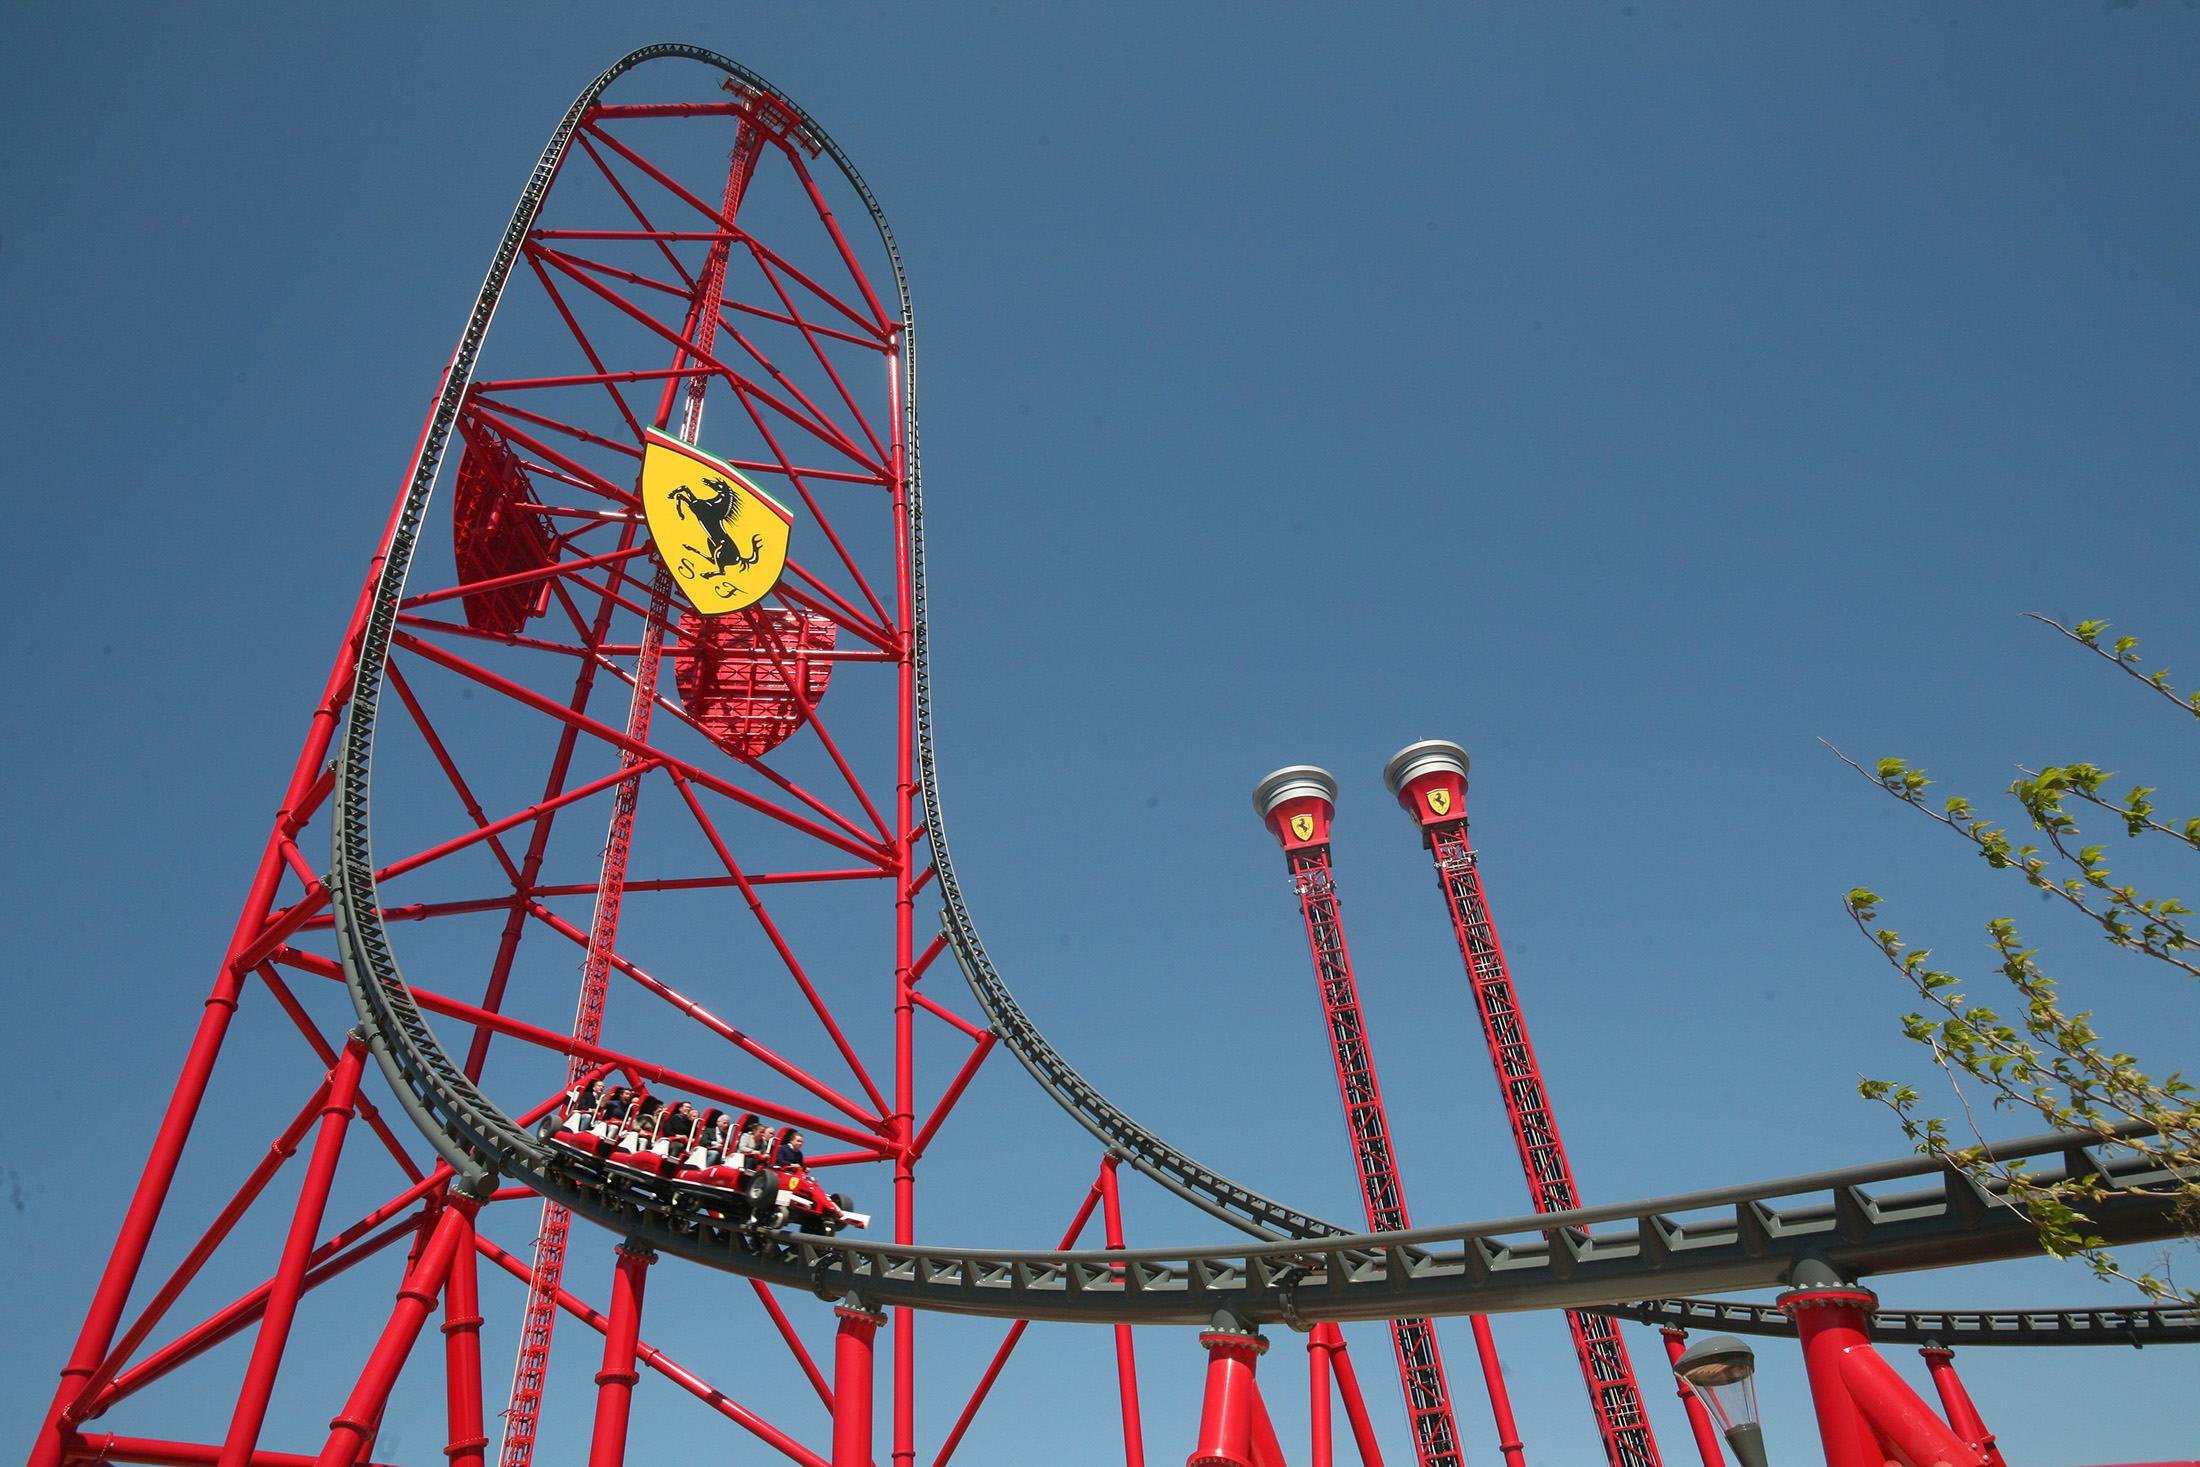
583 1139
783 1197
741 1190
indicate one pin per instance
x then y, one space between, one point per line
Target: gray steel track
1314 1272
2134 1328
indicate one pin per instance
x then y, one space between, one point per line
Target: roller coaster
854 608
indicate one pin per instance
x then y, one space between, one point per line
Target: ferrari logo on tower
723 539
1439 802
1302 826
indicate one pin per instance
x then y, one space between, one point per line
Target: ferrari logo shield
723 539
1439 802
1302 826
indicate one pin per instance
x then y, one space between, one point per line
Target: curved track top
1302 1269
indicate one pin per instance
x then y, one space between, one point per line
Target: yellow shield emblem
1302 826
723 539
1439 802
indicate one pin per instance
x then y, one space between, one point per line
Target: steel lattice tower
1430 780
1298 804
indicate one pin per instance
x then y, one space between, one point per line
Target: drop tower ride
1429 779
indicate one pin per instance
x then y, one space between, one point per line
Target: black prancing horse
713 514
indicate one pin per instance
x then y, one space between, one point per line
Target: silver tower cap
1291 782
1415 760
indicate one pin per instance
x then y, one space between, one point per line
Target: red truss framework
724 864
615 839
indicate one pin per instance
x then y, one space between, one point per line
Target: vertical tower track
531 1363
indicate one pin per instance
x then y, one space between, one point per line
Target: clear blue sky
1635 393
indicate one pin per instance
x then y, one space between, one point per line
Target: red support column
1298 804
1699 1419
1430 780
1317 1400
462 1357
352 1427
1355 1405
1126 1358
852 1380
615 1381
290 1270
1899 1415
1831 1320
1267 1448
1229 1413
1956 1402
1493 1378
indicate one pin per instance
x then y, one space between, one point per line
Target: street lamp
1723 1372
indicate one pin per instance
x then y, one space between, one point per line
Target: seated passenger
675 1131
708 1146
714 1161
787 1155
580 1107
638 1135
580 1101
591 1130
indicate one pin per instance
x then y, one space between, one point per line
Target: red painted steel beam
1015 1333
288 1284
340 1252
1430 782
1956 1404
355 1424
527 697
1126 1355
308 783
780 946
467 1441
279 1151
1828 1323
705 1019
1899 1415
953 1093
687 1380
326 1054
795 1347
1699 1418
1355 1404
1229 1408
852 1373
878 327
1322 1452
435 1003
742 384
153 1452
615 1381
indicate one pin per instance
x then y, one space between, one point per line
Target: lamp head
1723 1370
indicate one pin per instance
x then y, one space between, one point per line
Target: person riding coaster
719 1160
591 1122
